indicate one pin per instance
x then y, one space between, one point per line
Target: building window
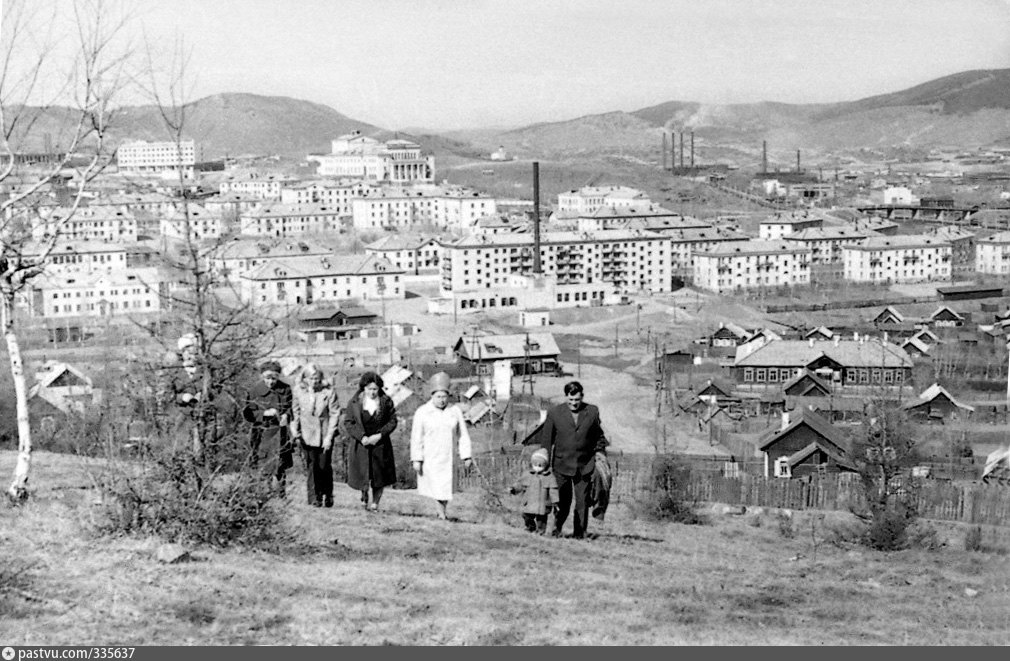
748 374
761 375
864 376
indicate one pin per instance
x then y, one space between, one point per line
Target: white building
258 185
409 254
313 279
437 206
240 256
626 259
81 257
98 223
992 254
750 265
194 223
141 157
686 243
588 199
611 218
780 226
95 294
278 220
527 292
358 156
903 258
825 243
334 194
899 196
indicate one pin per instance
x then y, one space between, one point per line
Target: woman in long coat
369 419
315 410
435 427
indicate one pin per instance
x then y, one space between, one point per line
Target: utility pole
616 339
578 354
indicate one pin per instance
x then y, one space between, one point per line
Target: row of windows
100 293
89 307
852 375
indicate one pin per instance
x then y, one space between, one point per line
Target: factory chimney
682 149
797 161
692 149
536 218
764 156
664 150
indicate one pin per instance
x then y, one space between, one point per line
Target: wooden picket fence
633 479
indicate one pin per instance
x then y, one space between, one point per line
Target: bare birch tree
47 78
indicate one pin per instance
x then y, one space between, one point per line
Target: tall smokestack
797 160
764 156
692 149
681 149
664 150
536 217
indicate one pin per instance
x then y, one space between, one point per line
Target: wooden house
944 317
936 404
806 384
536 352
805 444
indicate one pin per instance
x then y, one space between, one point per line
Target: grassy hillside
347 577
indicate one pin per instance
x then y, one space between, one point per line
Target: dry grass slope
402 577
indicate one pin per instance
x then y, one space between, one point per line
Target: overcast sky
446 64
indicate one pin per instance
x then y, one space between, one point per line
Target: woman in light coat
436 425
314 426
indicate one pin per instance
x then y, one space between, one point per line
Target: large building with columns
361 157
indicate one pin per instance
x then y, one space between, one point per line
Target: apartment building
588 199
686 243
992 254
141 157
780 226
235 258
527 292
825 243
438 206
752 264
285 220
962 247
902 258
627 259
257 185
611 218
334 194
411 254
98 223
193 222
308 279
358 156
96 293
80 256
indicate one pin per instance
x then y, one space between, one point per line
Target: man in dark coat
268 409
573 436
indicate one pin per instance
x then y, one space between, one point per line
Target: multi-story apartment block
588 199
99 223
193 222
750 265
528 292
235 258
612 218
903 258
411 254
94 294
825 243
258 185
962 247
686 243
334 194
455 208
313 279
358 156
81 256
779 226
279 219
141 157
992 254
626 259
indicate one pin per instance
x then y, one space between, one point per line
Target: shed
936 404
804 444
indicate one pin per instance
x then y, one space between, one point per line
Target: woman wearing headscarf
314 426
369 419
436 425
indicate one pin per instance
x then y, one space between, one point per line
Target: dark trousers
319 471
277 440
579 485
535 522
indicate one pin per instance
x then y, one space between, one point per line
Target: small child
541 492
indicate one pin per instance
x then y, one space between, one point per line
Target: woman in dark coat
369 419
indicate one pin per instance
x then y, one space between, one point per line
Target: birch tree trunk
18 491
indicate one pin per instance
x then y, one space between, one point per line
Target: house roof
401 242
806 374
840 456
898 242
395 375
889 311
848 353
314 266
820 330
916 343
931 393
755 247
507 347
942 309
814 421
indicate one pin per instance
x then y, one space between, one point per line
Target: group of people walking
308 417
